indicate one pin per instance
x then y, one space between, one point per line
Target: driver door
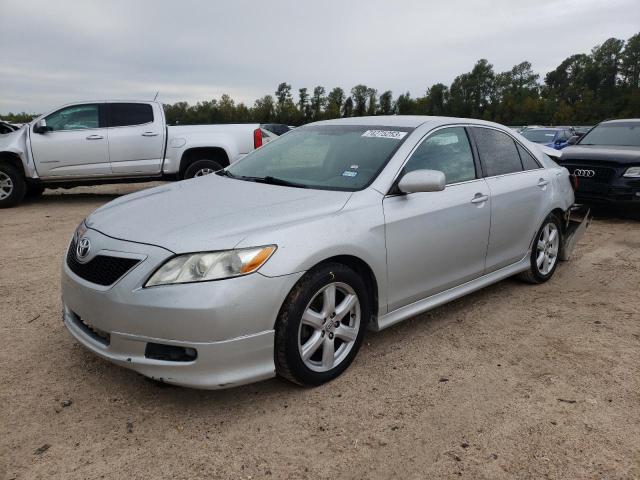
74 145
437 240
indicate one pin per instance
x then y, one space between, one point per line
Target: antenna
154 98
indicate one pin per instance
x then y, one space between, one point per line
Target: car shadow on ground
616 212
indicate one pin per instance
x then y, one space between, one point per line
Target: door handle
95 137
149 134
543 182
479 198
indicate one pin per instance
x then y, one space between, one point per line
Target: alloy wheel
547 248
204 171
6 186
329 327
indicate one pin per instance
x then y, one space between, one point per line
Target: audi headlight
201 267
633 172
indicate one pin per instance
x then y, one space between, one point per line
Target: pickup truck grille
102 269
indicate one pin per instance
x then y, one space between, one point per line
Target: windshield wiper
274 181
225 173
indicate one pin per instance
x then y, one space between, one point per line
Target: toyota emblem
579 172
83 248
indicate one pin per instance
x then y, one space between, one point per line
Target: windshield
333 157
539 136
619 133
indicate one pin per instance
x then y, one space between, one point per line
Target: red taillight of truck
257 138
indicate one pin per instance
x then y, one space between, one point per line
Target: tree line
583 89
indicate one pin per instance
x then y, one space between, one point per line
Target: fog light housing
170 353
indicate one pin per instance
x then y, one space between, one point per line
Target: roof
623 120
409 121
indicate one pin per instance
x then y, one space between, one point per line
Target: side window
497 151
528 162
77 117
126 114
447 150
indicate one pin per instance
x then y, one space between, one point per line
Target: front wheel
545 251
12 186
321 325
201 168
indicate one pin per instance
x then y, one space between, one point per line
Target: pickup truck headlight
205 266
633 172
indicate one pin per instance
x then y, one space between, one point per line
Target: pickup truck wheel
12 186
201 168
545 251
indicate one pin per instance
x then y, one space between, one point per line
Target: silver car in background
280 262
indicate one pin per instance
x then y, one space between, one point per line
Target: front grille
101 270
602 174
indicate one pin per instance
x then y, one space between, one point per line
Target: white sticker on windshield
348 173
393 134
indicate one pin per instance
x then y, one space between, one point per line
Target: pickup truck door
136 138
75 143
437 240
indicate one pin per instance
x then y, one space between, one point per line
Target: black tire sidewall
191 170
294 308
534 251
19 186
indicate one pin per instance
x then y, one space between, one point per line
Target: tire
339 335
12 186
201 167
545 251
34 191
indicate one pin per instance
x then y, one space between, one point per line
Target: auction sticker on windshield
393 134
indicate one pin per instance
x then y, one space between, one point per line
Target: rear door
75 144
437 240
519 187
136 137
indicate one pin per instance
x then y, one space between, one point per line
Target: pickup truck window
77 117
127 114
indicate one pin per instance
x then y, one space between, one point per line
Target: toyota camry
279 264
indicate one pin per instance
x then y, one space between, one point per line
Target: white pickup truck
90 143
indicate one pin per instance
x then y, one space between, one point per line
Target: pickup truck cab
89 143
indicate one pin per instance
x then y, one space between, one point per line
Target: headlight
201 267
633 172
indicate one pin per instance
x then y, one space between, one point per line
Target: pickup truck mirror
41 127
573 140
422 181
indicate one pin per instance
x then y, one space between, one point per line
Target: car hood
11 139
209 213
617 154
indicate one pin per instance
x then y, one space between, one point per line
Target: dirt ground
515 381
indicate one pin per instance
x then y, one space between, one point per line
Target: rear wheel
12 186
200 168
545 251
321 325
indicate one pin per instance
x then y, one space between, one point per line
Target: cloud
58 52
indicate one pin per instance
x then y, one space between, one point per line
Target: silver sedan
278 264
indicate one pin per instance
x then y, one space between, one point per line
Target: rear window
126 114
497 151
539 135
528 162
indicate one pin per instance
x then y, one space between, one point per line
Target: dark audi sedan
606 163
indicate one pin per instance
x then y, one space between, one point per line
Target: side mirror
573 140
422 181
41 127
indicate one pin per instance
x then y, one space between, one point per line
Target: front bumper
229 323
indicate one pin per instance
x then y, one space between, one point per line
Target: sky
56 52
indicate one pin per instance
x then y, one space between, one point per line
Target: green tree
630 63
318 101
359 98
385 104
335 99
263 110
372 94
347 108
